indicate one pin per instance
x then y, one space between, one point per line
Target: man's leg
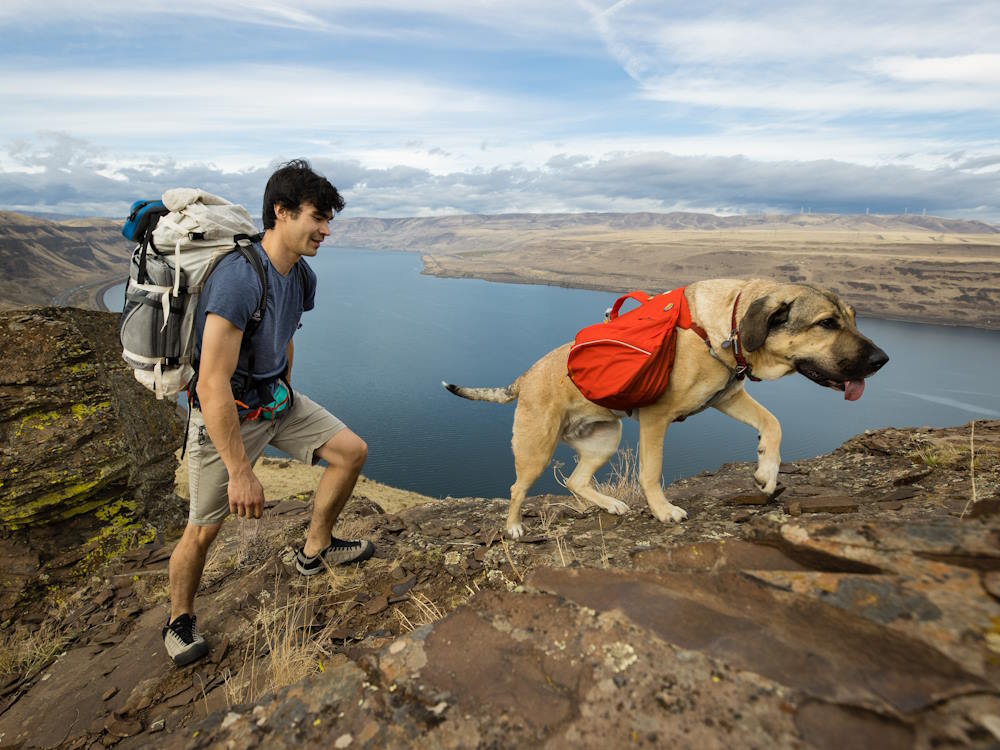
186 565
345 453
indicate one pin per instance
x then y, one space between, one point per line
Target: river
383 337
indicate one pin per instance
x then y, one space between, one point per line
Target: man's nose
324 229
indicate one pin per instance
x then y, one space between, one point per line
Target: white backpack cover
167 276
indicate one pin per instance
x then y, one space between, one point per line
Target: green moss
70 497
119 533
40 420
36 420
82 411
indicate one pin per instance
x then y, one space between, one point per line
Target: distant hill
462 233
67 261
40 258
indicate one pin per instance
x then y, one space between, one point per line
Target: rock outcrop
861 608
86 454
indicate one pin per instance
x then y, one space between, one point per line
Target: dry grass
422 612
623 482
283 633
25 650
151 590
937 453
972 468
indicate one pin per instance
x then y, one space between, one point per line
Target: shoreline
501 277
97 290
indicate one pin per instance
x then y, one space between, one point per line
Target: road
89 296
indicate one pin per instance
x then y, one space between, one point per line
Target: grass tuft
25 650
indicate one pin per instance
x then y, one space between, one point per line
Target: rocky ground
859 608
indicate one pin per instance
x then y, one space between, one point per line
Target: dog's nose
877 358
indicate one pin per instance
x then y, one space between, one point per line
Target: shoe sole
192 654
320 568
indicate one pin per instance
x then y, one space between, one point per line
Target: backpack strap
244 244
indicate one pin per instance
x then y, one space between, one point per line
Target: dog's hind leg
594 447
742 407
534 441
652 430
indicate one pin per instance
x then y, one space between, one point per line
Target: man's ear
763 315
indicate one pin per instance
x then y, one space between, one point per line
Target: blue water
383 337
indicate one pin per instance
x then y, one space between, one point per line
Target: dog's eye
829 323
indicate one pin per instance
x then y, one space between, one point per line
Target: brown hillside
39 259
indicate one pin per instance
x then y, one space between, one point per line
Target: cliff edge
859 608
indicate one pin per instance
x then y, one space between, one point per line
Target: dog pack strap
684 319
638 295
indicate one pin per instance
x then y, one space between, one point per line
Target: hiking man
242 400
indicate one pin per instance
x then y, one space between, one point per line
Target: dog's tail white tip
495 395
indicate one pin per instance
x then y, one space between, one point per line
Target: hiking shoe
183 641
340 552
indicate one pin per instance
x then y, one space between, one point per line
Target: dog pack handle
638 295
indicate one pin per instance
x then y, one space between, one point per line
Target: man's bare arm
220 351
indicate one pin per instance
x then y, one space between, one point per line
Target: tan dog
778 328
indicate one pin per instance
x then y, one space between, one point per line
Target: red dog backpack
625 362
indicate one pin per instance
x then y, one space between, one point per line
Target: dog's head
810 330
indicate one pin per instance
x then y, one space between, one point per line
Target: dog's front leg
742 407
652 430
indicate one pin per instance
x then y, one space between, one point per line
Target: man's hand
246 495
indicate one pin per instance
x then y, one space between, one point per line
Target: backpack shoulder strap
244 244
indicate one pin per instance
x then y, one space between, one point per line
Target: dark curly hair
295 183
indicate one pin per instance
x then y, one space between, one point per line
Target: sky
472 106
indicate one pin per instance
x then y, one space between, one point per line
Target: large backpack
625 362
179 241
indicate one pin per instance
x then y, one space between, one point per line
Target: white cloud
971 69
634 181
106 103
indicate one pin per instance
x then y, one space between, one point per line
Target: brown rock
377 604
89 437
404 586
791 469
914 475
109 693
122 727
985 508
900 493
991 582
830 504
757 498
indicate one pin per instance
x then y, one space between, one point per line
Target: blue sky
442 107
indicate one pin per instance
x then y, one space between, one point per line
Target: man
242 400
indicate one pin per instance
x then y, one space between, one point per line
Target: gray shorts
297 432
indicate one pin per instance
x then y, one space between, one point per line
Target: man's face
304 232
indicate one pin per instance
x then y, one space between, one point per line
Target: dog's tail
496 395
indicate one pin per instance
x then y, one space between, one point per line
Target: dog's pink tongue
853 389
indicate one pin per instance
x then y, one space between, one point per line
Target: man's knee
345 450
200 537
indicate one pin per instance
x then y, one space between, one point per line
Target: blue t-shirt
233 291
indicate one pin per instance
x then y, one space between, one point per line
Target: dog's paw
617 507
766 479
669 513
515 531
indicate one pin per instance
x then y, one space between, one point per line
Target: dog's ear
761 317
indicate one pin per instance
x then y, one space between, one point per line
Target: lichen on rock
86 454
